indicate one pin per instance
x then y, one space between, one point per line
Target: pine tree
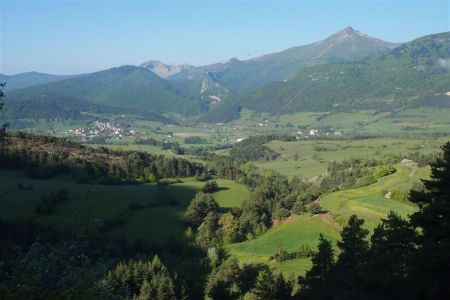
392 244
349 270
315 279
2 97
225 281
431 267
271 287
264 288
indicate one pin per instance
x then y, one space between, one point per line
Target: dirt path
324 219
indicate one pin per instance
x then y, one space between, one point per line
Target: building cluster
107 130
316 132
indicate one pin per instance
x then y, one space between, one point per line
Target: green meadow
367 202
92 204
310 158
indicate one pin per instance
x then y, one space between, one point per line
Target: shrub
384 171
48 203
399 196
210 187
314 208
365 181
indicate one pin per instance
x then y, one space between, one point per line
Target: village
99 129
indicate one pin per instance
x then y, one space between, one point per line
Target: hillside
28 79
345 45
414 74
126 89
367 202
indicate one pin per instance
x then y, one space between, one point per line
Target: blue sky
68 37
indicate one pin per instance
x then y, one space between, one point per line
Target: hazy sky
67 37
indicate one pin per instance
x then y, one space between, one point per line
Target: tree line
43 157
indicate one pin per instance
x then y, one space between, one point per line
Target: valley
280 176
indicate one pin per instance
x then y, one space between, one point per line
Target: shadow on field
222 188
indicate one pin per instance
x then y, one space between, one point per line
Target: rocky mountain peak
164 70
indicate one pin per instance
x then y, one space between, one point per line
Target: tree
349 270
210 187
322 263
225 281
2 97
314 208
199 207
208 230
393 244
149 176
229 227
138 280
431 266
353 245
271 287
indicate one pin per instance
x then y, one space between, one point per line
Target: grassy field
313 156
367 202
92 204
411 122
301 230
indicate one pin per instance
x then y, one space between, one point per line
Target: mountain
126 89
164 70
28 79
343 46
206 89
414 74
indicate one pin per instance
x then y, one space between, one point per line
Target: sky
72 37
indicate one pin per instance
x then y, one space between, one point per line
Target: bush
314 208
365 181
298 208
48 203
282 213
210 187
384 171
399 196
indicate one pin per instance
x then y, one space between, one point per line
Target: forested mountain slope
414 74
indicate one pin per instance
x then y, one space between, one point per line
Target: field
402 122
310 158
300 230
367 202
93 204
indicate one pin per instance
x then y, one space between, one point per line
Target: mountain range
348 70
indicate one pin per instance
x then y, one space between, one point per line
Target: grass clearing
367 202
311 162
153 224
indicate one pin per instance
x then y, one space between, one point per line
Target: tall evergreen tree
392 244
199 208
315 280
349 270
271 287
431 267
224 281
2 97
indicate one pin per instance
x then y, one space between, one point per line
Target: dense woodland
44 157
